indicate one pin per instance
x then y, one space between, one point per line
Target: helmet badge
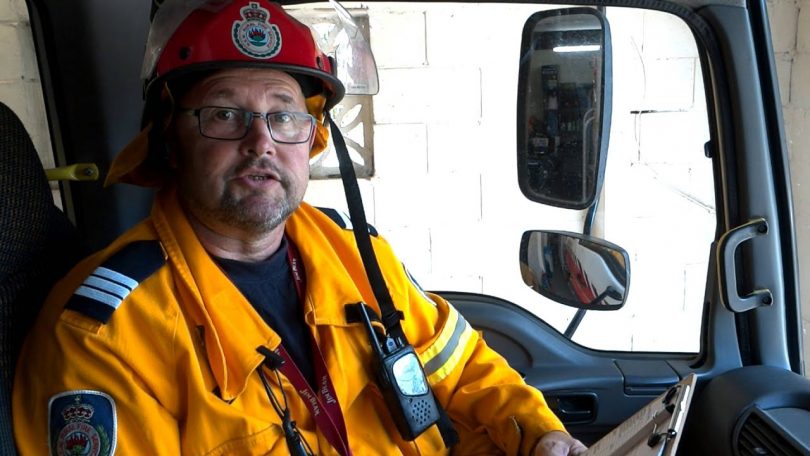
255 36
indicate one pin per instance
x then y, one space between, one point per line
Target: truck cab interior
561 119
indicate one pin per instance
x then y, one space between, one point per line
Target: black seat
38 245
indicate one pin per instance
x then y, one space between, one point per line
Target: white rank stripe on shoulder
107 286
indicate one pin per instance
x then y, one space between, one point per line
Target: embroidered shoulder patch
109 284
342 219
82 422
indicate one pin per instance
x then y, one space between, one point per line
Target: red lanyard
323 405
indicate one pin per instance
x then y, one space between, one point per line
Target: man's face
244 187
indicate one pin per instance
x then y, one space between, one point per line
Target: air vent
760 436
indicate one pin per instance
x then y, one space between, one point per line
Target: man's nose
259 140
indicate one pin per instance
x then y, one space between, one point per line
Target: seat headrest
25 198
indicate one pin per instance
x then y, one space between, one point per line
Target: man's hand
557 443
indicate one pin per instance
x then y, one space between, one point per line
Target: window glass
445 191
658 200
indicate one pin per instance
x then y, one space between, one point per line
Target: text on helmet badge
255 36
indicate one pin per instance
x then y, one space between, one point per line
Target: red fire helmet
188 36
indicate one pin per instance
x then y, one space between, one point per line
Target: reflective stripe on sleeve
444 355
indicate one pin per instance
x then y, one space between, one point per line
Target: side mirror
574 269
564 106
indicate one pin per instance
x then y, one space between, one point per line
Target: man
226 322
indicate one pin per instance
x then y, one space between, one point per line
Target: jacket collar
335 273
233 329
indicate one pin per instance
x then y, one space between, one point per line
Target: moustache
264 164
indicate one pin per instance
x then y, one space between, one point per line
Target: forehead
247 83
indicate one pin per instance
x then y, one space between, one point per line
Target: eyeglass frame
253 115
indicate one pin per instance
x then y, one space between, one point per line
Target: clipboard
655 430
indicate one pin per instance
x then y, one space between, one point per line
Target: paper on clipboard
654 430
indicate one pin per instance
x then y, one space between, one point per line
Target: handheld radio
402 381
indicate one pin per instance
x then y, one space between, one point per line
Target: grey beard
232 213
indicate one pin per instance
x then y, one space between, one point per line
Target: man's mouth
258 175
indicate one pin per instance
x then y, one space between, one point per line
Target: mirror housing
574 269
564 106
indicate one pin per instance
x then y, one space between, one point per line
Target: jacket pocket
269 441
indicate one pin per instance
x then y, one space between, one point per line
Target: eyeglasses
220 122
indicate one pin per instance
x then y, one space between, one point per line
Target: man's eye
224 115
281 117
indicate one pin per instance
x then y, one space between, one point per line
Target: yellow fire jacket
171 366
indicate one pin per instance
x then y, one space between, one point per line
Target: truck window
659 195
445 192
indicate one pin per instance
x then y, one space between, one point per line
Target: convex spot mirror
574 269
564 106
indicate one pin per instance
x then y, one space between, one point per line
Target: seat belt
390 317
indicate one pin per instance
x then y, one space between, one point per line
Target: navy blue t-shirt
270 288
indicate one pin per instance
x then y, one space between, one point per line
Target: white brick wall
406 23
783 15
803 33
13 10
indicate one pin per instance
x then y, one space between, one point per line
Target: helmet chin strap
390 317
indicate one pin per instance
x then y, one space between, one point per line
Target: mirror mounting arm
586 229
574 325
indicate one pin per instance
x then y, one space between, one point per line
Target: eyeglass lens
233 123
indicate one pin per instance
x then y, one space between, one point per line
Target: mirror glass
563 106
575 269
